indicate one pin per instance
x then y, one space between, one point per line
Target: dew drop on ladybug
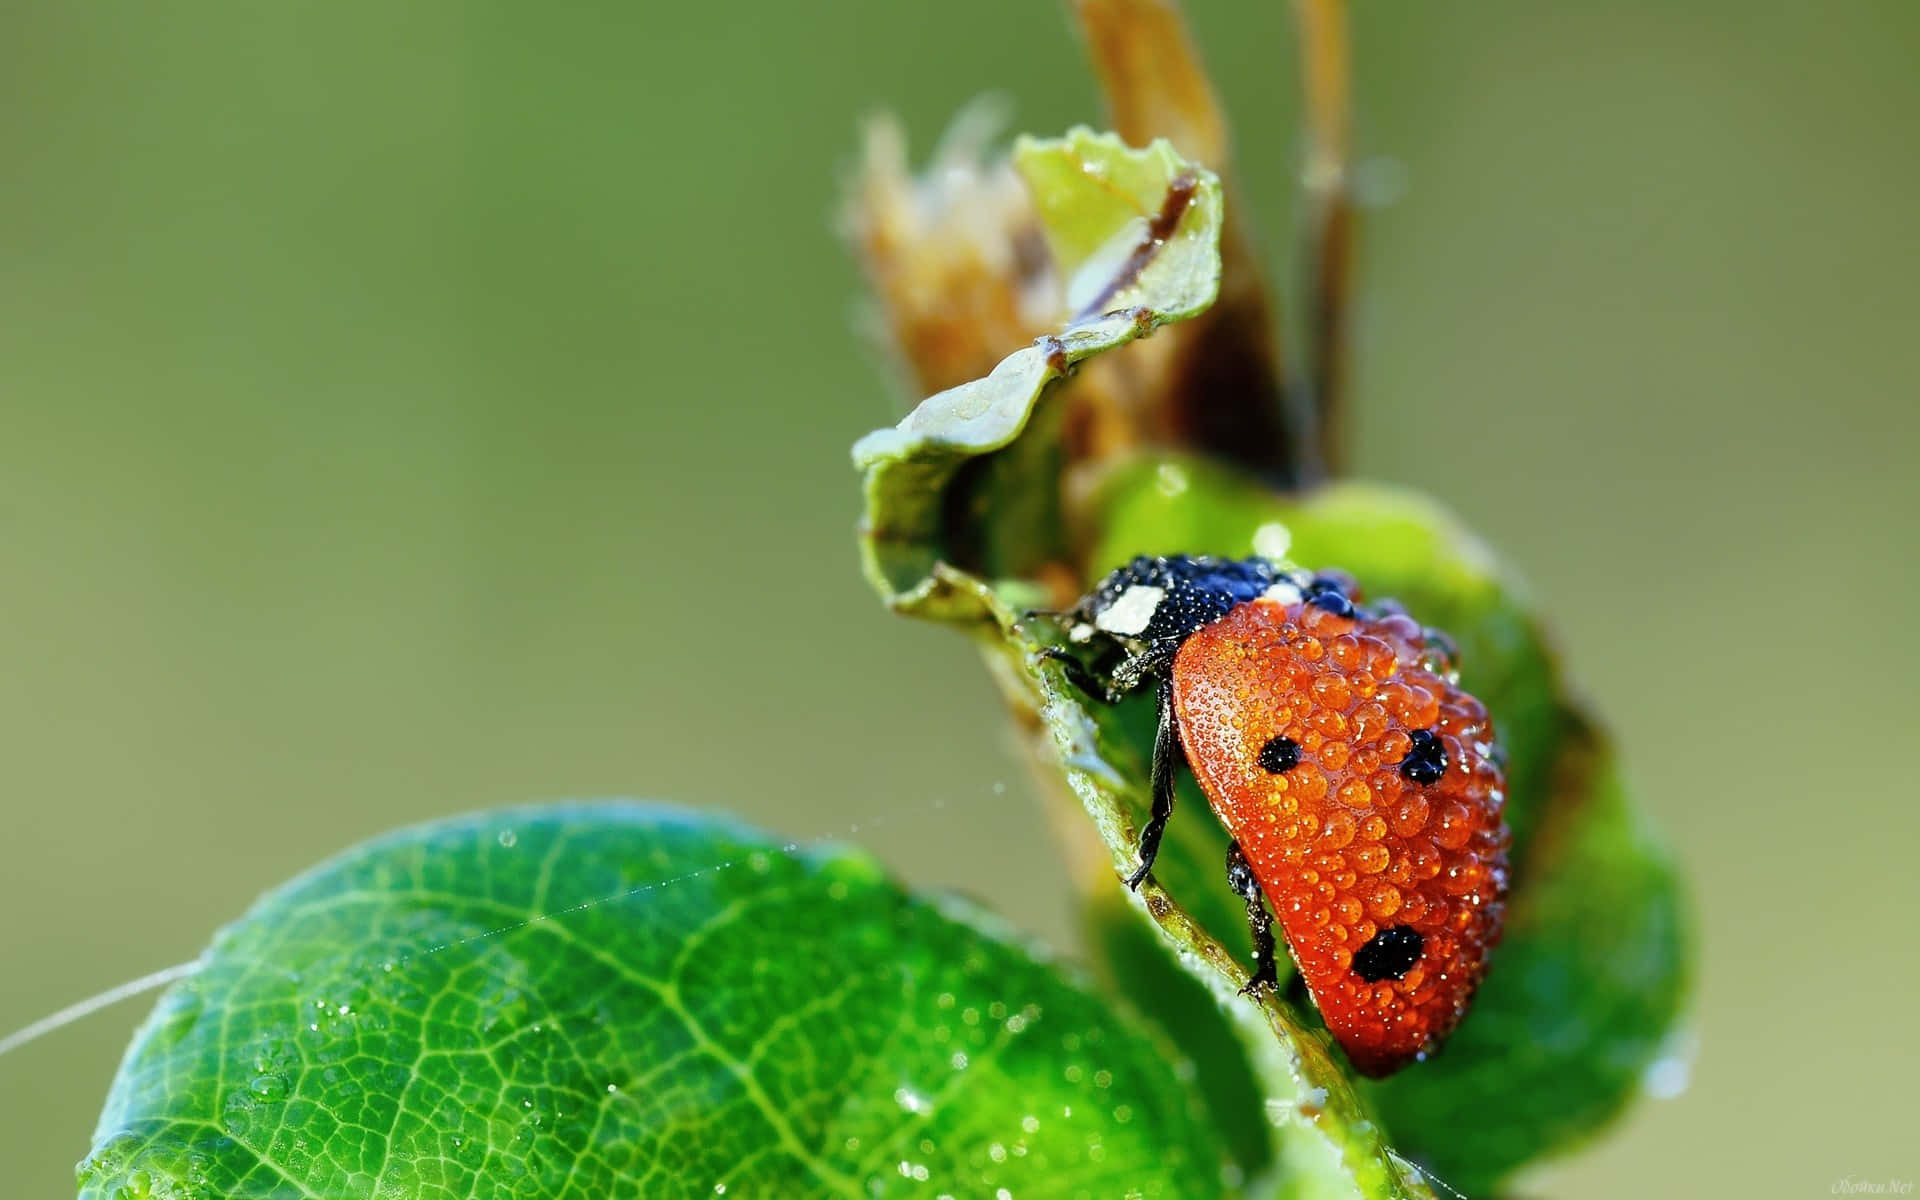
1361 786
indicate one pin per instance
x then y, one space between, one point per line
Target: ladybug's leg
1241 878
1082 676
1136 669
1126 676
1130 674
1167 759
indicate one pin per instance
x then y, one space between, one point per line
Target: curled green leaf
610 999
1126 227
1136 233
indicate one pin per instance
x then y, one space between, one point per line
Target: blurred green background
413 408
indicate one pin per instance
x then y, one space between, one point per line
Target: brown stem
1214 384
1325 74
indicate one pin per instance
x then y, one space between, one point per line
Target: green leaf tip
614 999
1126 227
1136 234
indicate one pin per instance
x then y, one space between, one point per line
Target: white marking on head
1130 615
1081 632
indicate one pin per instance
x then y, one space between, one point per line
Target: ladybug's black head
1163 599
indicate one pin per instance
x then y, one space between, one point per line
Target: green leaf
1137 234
1590 980
615 1000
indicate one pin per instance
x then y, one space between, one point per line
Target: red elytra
1390 891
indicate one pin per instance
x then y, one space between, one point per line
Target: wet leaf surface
621 1000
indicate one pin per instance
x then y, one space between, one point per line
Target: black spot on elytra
1279 755
1426 760
1390 954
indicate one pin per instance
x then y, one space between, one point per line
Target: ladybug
1361 787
